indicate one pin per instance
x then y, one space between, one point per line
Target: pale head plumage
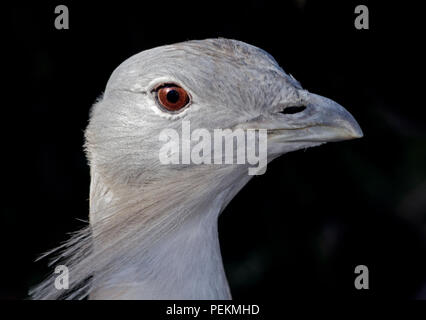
144 214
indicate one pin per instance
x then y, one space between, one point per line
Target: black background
297 231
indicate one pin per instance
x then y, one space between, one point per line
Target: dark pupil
173 96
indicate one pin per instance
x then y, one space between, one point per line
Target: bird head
136 200
211 84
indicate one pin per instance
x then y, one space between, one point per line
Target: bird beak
323 120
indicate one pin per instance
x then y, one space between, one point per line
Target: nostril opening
293 110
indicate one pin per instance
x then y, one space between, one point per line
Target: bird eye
172 97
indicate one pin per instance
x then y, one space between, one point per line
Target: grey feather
153 227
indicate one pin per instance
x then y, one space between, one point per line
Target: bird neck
184 263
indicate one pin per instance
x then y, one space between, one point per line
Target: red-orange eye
172 97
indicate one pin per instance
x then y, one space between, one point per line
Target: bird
152 231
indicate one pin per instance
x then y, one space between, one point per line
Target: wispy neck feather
158 241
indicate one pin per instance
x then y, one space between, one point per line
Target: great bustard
153 227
